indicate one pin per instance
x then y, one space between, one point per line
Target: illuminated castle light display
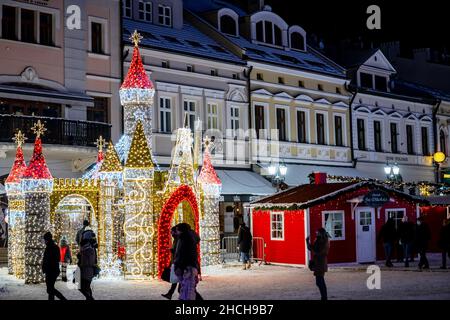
132 203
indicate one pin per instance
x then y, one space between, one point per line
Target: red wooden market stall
352 213
434 214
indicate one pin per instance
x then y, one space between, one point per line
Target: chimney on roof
317 177
320 177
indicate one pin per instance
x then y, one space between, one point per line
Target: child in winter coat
66 257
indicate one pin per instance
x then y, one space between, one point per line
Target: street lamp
392 172
277 172
438 158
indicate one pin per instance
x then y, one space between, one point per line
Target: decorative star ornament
38 129
207 141
136 38
19 138
100 143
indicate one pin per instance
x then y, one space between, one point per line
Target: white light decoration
139 226
209 221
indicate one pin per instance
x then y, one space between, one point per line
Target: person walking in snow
87 262
186 261
388 236
423 236
50 267
173 278
319 263
66 257
245 245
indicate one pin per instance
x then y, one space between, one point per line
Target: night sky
415 24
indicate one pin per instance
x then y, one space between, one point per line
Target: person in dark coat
186 261
50 267
245 244
388 235
423 236
444 242
87 263
319 262
169 294
406 237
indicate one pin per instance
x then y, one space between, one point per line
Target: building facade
389 125
299 111
68 78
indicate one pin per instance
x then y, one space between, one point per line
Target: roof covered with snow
188 40
308 195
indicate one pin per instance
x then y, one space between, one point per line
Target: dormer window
269 33
297 41
165 15
269 28
228 21
366 80
297 38
380 83
228 25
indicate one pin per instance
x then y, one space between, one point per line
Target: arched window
297 41
277 35
269 28
228 25
443 142
260 31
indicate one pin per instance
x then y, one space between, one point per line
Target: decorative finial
38 129
100 143
207 141
19 138
136 38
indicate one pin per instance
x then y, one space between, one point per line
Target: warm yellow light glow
439 157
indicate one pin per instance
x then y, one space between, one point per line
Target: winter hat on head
48 236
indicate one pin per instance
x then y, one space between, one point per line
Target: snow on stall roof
187 40
244 182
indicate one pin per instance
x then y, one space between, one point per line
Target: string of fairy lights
424 188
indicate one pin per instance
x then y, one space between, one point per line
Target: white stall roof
236 182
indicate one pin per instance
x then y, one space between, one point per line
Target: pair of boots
247 265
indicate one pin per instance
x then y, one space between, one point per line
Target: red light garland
37 169
136 76
182 193
208 174
18 168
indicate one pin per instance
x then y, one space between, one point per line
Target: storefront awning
42 95
244 182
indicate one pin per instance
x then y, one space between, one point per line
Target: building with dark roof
299 110
392 123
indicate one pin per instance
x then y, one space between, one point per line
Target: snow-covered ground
262 282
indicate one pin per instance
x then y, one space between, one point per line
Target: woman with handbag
319 263
169 274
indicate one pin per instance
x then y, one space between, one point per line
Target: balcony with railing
59 131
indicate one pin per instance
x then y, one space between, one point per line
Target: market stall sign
376 198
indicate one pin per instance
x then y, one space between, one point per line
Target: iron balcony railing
59 131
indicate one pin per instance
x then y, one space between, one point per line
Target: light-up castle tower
134 203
